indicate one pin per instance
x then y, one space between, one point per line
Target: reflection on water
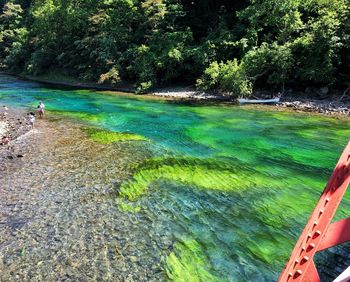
227 188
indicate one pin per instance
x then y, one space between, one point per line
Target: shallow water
229 187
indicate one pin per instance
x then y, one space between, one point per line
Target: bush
143 87
210 77
18 51
233 79
111 77
270 61
40 61
230 77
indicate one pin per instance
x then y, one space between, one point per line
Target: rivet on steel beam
298 273
311 246
321 212
326 202
305 259
317 233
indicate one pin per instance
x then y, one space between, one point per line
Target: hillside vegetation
232 46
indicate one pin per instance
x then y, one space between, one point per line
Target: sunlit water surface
233 186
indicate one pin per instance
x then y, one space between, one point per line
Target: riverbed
117 187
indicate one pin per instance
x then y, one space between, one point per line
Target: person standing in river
41 108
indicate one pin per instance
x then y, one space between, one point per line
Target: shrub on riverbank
230 77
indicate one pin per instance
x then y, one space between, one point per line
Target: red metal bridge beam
318 233
336 234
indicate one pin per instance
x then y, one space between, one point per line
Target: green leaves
12 35
111 77
312 31
230 77
11 15
271 61
157 42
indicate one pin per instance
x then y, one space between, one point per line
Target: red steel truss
319 233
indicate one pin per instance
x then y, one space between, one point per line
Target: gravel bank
59 220
14 123
186 93
329 107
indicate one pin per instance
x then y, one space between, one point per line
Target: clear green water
233 186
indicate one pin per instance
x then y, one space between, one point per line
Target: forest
235 47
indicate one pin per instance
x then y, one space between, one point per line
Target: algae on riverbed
108 137
200 173
211 174
188 262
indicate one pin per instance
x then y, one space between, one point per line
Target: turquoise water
233 186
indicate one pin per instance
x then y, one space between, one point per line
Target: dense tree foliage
234 46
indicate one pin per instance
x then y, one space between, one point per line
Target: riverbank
58 214
14 124
178 93
331 107
295 101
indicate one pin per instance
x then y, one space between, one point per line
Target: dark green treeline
234 46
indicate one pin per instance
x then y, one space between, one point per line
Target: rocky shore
59 220
14 124
330 106
317 106
187 93
297 102
317 100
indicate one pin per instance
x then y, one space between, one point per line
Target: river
213 192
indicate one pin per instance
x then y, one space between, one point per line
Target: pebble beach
59 221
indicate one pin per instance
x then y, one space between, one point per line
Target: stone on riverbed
3 127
